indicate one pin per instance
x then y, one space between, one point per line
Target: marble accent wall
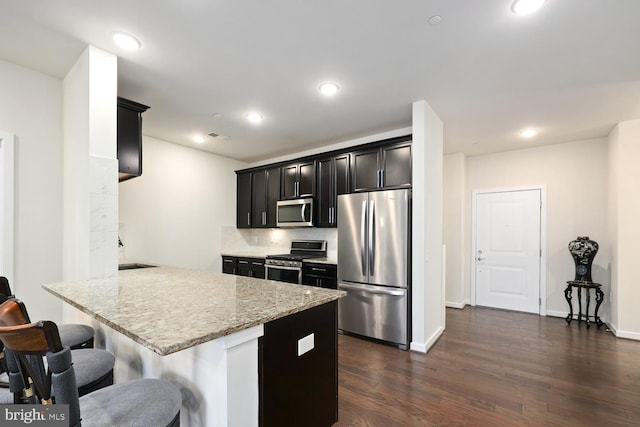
275 240
103 217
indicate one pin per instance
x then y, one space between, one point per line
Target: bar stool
75 336
144 402
94 367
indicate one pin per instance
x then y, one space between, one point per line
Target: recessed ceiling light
126 41
328 88
435 20
528 133
525 7
255 117
199 139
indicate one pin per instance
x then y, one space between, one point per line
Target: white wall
31 108
7 186
454 204
624 227
174 213
576 178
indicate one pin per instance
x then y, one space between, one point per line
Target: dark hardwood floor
494 368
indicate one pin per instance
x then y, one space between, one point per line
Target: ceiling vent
218 136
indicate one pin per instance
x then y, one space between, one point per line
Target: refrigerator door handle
363 224
372 236
370 290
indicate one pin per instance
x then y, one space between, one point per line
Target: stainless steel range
288 267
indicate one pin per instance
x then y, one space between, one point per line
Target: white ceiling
572 70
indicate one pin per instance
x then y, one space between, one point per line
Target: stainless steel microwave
295 213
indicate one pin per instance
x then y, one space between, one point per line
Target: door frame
7 155
543 239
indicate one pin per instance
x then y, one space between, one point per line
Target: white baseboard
455 304
424 347
626 334
557 313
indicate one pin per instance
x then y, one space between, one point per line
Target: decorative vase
583 250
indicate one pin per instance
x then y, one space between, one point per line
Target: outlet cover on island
305 344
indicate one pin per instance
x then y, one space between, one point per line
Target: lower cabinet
298 369
319 274
229 264
250 267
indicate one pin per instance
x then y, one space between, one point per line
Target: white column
427 304
624 227
90 224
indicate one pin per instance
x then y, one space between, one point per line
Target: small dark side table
587 286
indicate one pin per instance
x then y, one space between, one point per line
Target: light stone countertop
169 309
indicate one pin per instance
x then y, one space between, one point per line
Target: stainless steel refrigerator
374 253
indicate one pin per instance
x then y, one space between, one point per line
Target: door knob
480 259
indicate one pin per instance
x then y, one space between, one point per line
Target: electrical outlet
305 344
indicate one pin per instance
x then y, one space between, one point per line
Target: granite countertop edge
164 350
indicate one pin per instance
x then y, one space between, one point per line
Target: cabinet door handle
248 218
264 217
318 269
243 262
228 260
257 263
381 177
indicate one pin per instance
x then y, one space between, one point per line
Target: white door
508 250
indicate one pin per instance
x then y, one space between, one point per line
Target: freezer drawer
374 311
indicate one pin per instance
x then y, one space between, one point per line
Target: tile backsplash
274 240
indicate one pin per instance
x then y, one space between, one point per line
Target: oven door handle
281 267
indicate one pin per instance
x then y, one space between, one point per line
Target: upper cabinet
243 200
265 195
333 180
129 138
298 180
387 166
378 165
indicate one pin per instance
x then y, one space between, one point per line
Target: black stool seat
76 336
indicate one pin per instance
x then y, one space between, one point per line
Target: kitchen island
208 332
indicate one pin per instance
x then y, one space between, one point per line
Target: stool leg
599 298
579 304
567 295
588 298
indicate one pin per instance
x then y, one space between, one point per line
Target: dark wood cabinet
250 267
396 165
298 180
297 387
374 166
229 264
320 274
265 195
388 166
243 200
333 179
129 134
